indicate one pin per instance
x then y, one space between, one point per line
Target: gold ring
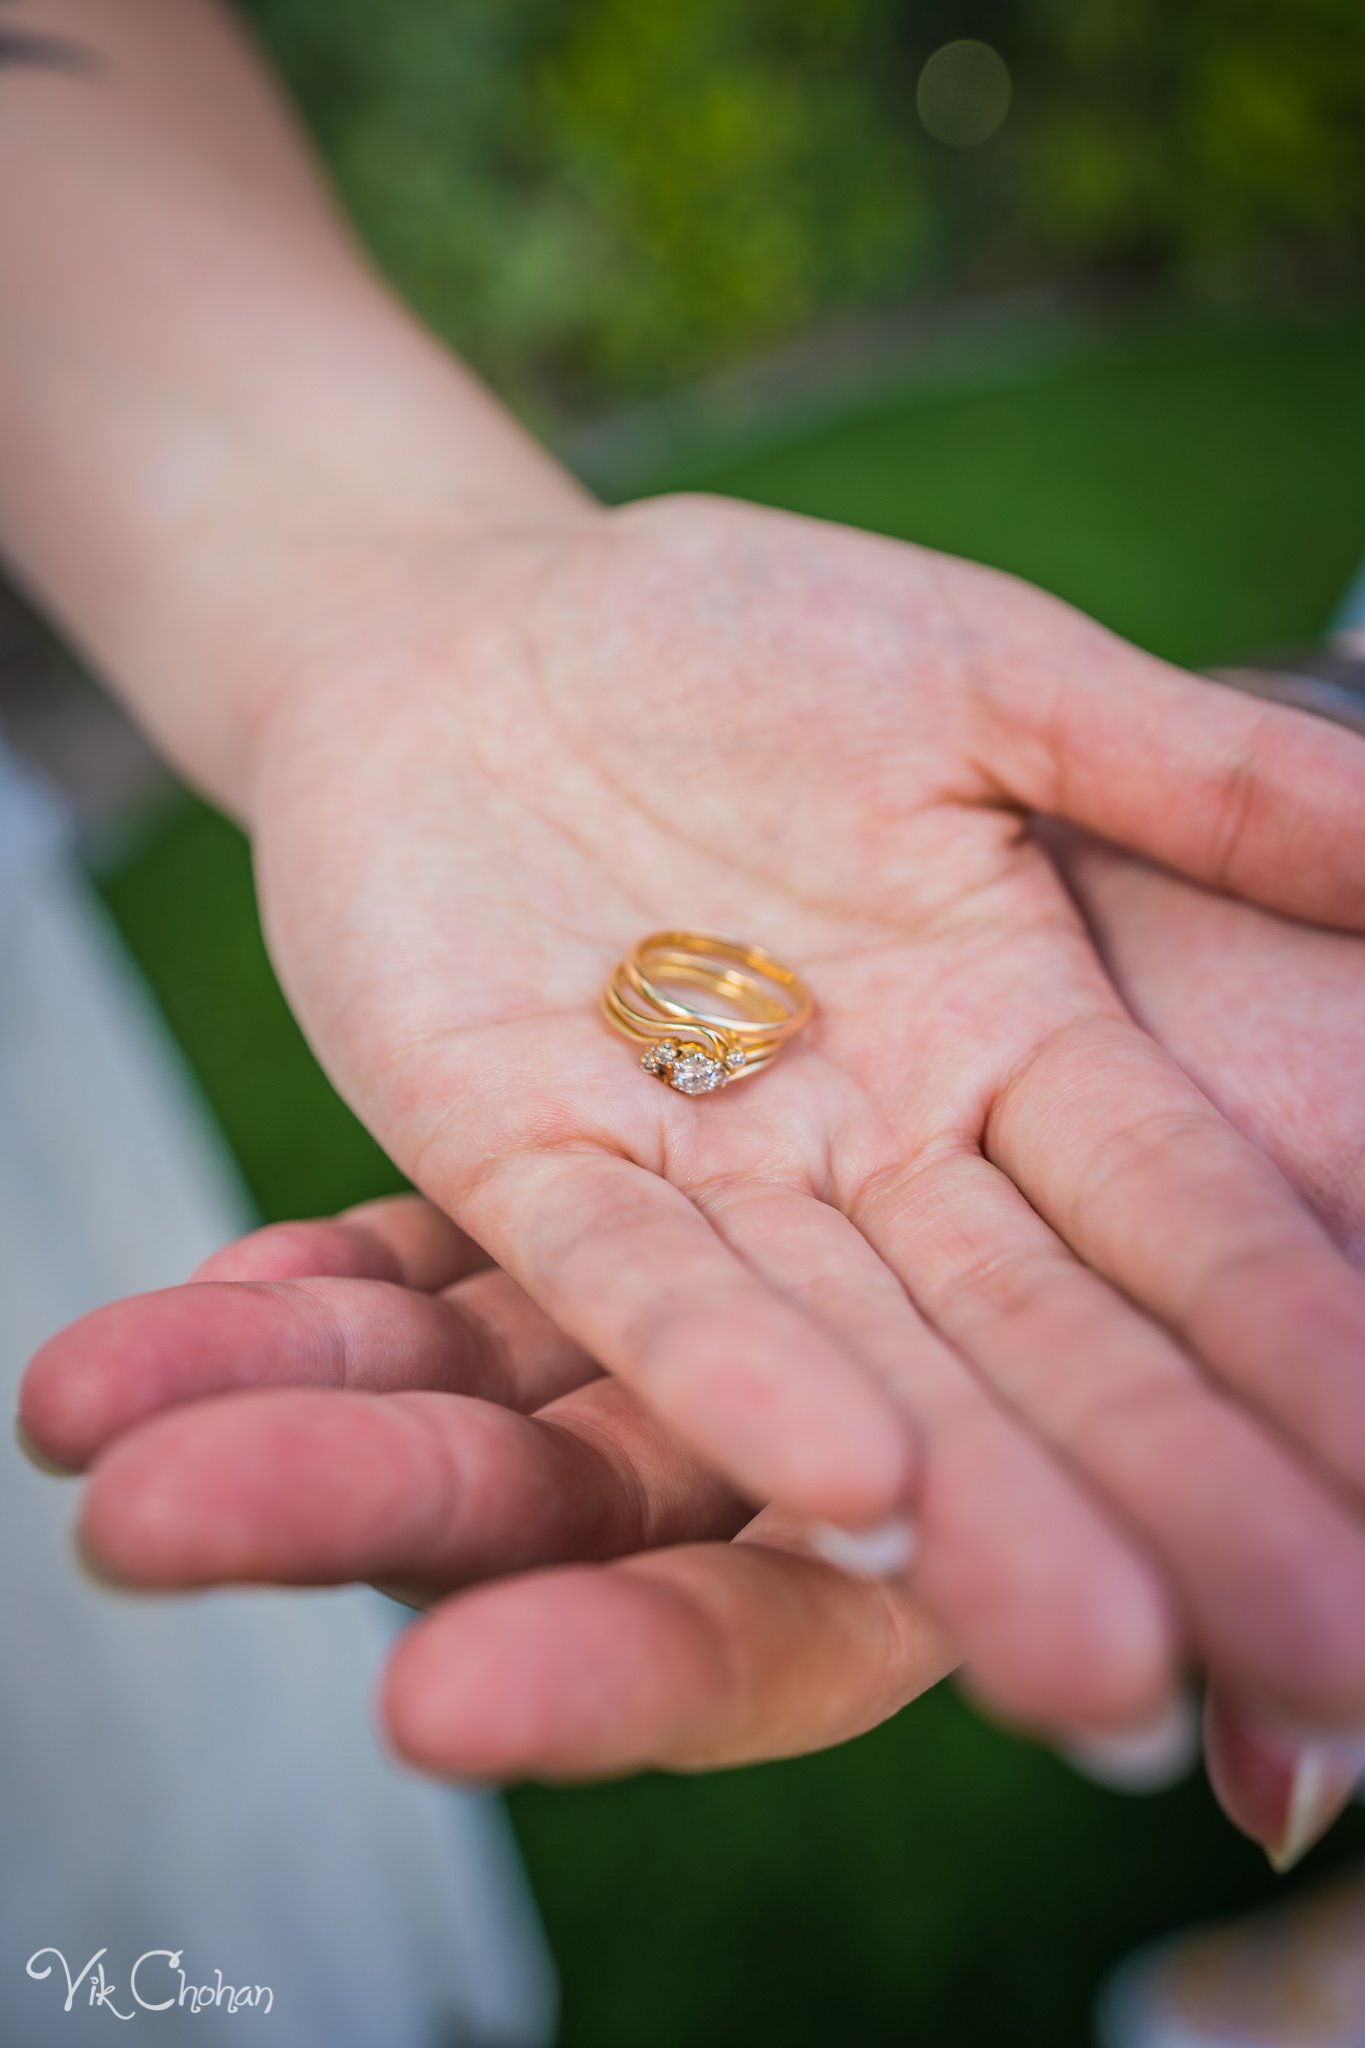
753 1005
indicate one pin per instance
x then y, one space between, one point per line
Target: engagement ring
753 1006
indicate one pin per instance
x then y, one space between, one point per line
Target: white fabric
195 1775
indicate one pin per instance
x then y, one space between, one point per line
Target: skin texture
413 1419
977 1246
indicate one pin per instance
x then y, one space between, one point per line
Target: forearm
203 385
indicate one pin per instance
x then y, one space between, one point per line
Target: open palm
974 1240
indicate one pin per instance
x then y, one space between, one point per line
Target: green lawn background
1202 490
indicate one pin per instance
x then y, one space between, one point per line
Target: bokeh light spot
963 93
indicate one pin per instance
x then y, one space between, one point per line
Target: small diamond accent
736 1058
659 1058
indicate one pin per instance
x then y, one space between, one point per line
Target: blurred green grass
1203 491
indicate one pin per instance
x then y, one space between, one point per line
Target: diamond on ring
660 1058
686 1068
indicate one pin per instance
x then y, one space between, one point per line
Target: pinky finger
685 1659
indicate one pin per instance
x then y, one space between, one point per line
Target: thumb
1241 794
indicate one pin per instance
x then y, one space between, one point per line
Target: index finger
1148 1184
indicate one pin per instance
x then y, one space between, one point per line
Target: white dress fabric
198 1776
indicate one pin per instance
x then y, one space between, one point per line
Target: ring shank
772 999
769 1002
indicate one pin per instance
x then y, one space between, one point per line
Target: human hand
705 1652
365 1398
484 768
974 1193
434 1489
1266 1016
486 735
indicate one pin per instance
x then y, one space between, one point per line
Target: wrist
207 395
196 557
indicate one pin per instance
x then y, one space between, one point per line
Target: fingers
688 1659
1269 1569
1194 968
1244 795
1060 1619
419 1490
401 1237
623 1262
124 1363
1142 1177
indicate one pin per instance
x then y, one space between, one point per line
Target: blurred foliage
1217 137
598 198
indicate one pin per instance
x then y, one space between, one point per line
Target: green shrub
599 198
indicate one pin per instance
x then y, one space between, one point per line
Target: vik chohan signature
156 1983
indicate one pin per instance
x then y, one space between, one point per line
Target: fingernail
1147 1758
881 1553
1320 1786
1344 1748
39 1459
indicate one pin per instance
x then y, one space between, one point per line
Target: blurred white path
201 1774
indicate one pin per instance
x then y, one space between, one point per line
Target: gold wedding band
753 1005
